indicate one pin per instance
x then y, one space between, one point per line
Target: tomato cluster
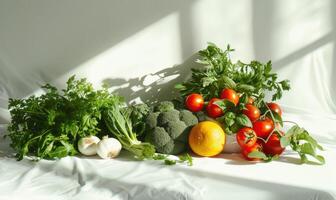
264 134
195 102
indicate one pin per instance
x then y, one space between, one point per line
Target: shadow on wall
155 87
44 40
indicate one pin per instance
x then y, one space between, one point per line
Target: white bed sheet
228 176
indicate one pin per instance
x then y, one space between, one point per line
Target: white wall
132 44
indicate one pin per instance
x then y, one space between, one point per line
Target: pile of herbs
49 126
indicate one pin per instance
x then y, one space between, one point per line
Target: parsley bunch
49 126
249 79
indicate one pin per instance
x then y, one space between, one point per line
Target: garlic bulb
108 148
88 145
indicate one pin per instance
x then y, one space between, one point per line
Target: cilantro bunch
49 126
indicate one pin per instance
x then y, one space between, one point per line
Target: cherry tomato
252 112
246 137
250 100
194 102
275 107
230 95
213 110
273 146
263 127
256 147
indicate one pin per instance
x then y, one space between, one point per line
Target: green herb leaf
158 156
224 104
186 158
243 120
300 141
169 162
257 154
284 141
229 118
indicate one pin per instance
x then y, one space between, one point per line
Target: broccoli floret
169 116
188 118
151 121
160 137
175 128
164 106
168 128
166 149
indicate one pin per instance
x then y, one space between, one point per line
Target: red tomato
252 112
230 95
256 147
250 100
272 146
213 110
246 137
263 127
275 107
194 102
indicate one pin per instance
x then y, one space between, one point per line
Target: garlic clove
108 148
88 145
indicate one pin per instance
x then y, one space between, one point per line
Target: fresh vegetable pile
222 98
233 94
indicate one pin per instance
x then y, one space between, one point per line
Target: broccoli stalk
120 126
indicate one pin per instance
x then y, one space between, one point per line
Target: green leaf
226 82
186 158
229 118
169 162
245 88
320 159
224 104
307 148
158 156
59 152
207 81
284 141
257 154
277 118
296 137
285 84
293 130
243 120
243 99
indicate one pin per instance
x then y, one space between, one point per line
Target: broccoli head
168 128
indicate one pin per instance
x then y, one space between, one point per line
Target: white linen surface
132 45
228 176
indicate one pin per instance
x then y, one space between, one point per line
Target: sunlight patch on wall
146 52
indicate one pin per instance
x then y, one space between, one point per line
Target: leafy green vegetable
50 125
243 120
138 114
258 154
120 126
262 156
300 141
169 162
249 79
185 158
